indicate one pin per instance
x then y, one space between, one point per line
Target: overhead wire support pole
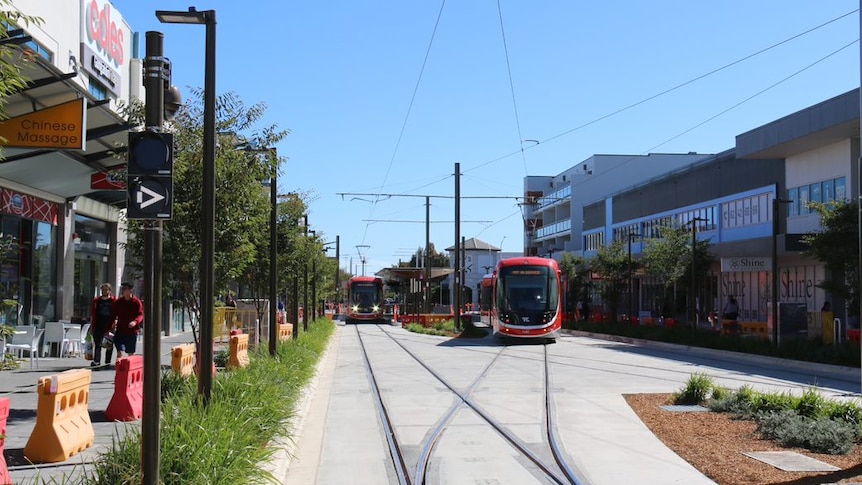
426 287
457 287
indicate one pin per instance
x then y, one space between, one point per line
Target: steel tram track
570 475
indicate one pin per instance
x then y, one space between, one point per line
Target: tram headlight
375 308
355 308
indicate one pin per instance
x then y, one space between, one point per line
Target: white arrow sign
154 197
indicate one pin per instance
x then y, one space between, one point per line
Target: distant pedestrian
585 310
128 313
101 323
731 309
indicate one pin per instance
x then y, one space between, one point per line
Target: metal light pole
775 294
693 284
314 286
273 254
305 280
631 277
207 287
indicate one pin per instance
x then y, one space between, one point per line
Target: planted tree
612 265
837 246
577 272
242 207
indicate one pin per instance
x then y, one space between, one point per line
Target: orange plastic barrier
729 327
63 427
127 403
183 359
757 329
285 331
4 414
238 351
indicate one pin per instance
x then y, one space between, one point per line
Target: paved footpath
20 387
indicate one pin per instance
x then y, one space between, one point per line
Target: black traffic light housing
150 153
150 175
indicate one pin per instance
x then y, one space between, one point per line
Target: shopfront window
44 274
10 264
92 248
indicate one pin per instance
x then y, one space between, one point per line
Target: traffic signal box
150 175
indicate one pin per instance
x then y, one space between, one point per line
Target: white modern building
553 216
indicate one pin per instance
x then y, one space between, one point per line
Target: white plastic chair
33 347
54 334
72 342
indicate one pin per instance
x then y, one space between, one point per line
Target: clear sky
385 96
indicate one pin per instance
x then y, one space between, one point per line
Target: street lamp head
190 17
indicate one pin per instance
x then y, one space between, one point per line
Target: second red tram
527 298
364 299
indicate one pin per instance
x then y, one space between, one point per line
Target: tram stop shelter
408 281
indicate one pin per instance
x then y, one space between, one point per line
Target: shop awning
65 173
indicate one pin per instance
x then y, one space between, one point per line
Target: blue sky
340 75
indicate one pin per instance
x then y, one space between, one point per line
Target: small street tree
837 246
576 269
668 259
242 206
612 265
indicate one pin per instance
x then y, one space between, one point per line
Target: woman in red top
128 315
101 323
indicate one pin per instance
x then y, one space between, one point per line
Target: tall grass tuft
696 389
226 441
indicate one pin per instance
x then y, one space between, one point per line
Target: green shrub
695 391
811 404
847 411
819 435
720 393
221 358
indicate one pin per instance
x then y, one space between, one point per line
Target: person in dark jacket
101 323
128 313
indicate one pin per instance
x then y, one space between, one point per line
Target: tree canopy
837 246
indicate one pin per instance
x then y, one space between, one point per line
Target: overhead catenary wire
664 92
409 109
724 111
512 86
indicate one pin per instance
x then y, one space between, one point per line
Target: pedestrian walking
101 323
128 315
731 309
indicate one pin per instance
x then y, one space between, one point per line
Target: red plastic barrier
853 334
669 322
4 413
236 332
127 403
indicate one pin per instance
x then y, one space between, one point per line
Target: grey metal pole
457 253
305 281
337 272
775 294
154 84
273 254
427 283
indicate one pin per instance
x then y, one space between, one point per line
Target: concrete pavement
20 387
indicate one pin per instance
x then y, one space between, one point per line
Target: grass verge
226 441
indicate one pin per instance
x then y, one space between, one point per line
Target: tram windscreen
364 295
527 289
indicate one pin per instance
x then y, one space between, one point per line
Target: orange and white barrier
127 403
285 331
183 359
238 351
63 427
